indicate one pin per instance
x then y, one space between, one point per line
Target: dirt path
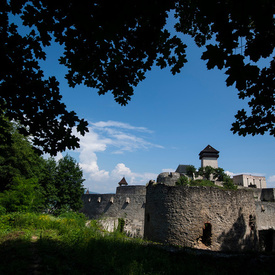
35 259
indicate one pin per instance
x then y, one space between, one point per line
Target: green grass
64 245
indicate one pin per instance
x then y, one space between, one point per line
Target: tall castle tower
209 157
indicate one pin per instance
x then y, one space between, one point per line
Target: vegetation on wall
208 176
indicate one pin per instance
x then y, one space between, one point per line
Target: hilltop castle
199 217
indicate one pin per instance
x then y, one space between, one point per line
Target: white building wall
208 161
249 180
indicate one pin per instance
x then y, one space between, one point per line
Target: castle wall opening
267 240
207 234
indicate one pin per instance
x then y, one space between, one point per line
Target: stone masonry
201 217
128 203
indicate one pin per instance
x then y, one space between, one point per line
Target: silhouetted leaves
110 46
236 33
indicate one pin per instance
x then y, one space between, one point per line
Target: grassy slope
41 244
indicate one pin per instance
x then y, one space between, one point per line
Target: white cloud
117 138
132 178
121 170
271 179
123 136
121 125
168 170
109 184
231 174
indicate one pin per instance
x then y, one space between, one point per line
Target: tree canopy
28 182
111 45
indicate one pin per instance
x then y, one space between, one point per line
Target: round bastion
168 178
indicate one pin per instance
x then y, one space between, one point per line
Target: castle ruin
190 216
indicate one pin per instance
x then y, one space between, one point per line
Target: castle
198 217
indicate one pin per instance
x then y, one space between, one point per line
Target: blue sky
169 120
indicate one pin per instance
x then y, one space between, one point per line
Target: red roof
123 182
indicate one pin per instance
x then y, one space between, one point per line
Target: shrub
202 183
183 181
230 185
120 226
77 218
2 210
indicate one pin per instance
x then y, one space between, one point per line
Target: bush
202 183
183 181
120 226
230 185
77 218
2 210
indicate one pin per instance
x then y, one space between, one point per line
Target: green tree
191 171
48 183
110 46
69 185
228 182
206 172
59 184
25 195
219 174
18 159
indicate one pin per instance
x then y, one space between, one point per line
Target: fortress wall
131 189
132 211
268 194
257 192
265 213
183 216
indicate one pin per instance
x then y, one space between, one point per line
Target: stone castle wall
200 217
128 203
191 216
265 213
268 194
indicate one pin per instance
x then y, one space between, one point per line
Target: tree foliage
18 158
215 174
183 180
25 195
111 45
206 172
32 183
48 183
191 171
67 186
237 35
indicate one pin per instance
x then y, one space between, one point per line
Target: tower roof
123 182
209 151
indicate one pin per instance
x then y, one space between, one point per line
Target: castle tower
209 157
